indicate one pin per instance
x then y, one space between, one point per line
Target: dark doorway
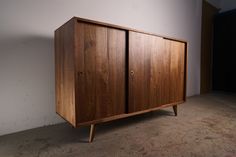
224 53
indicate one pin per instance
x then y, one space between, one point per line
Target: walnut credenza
106 72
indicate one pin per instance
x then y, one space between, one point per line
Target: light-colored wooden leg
175 109
91 135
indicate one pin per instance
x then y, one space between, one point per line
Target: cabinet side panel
64 68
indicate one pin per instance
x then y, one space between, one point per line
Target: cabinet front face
100 72
149 71
177 70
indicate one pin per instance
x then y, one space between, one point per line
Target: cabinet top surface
78 19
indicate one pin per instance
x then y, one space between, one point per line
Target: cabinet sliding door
177 69
149 72
100 71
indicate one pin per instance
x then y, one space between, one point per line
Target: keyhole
132 72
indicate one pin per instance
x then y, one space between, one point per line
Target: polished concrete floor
205 127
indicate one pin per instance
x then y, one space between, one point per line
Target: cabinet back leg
175 109
91 134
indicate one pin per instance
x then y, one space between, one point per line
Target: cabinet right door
156 71
149 72
177 53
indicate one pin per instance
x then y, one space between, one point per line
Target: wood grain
160 72
64 71
177 69
106 72
139 72
100 64
149 66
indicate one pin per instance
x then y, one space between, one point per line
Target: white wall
26 47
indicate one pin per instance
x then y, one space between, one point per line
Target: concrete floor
205 127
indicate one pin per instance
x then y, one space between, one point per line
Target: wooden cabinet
106 72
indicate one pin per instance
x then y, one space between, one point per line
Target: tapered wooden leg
175 109
91 135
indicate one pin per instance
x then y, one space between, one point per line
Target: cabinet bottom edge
125 115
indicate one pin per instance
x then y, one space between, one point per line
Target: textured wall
26 47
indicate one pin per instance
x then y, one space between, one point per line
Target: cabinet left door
65 72
100 71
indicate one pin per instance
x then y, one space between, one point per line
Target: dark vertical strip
76 77
185 69
127 72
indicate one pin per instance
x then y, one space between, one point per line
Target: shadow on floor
64 133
